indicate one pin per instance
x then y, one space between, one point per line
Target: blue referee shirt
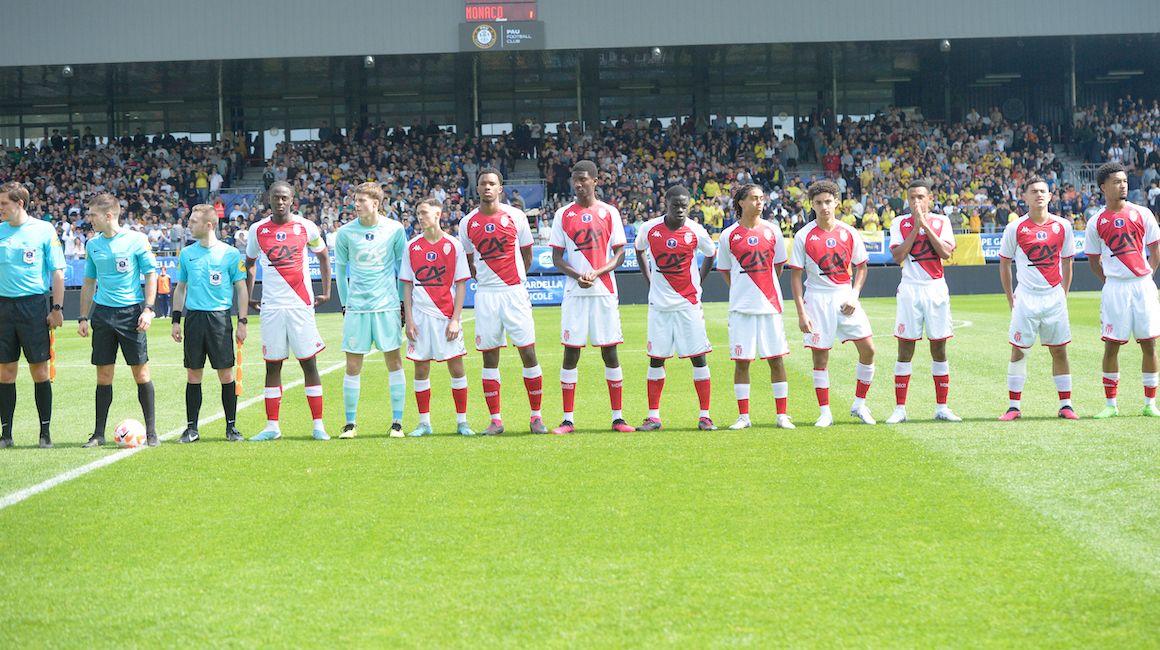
117 265
28 255
209 275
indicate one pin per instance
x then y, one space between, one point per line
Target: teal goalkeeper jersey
367 261
117 264
209 275
28 256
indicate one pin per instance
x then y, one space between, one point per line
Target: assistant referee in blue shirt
31 262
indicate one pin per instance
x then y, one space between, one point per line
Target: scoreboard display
478 11
489 26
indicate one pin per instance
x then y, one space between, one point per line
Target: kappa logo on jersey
122 265
281 236
215 278
431 256
29 256
264 231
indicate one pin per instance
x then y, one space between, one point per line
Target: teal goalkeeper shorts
381 330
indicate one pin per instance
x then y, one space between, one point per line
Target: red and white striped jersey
433 268
674 278
589 237
1037 250
922 265
281 253
1121 239
827 256
495 240
749 256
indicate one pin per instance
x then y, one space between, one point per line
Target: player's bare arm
795 284
1097 267
411 330
242 296
251 277
178 305
56 316
455 325
146 317
1005 279
87 289
324 267
860 273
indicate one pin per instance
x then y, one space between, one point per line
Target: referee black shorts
209 334
24 327
116 327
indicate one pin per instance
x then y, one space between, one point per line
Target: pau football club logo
431 256
484 37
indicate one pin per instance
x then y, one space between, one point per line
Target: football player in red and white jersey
498 243
920 241
1042 246
824 250
434 275
587 246
279 243
750 255
1115 243
666 249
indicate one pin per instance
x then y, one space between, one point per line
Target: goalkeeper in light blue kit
368 254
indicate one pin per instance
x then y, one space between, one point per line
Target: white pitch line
77 472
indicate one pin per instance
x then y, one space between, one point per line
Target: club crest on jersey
215 278
297 229
280 236
29 256
752 240
831 242
489 227
1055 228
586 218
503 221
1132 216
671 243
688 238
843 235
1019 336
902 328
122 265
370 236
768 235
1041 235
1119 222
446 248
431 256
737 350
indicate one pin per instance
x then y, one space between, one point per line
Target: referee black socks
104 401
148 406
7 409
42 391
230 403
192 405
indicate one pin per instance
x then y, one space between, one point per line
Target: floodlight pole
221 105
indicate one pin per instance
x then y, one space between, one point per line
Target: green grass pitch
1037 533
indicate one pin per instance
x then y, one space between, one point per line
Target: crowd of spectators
976 167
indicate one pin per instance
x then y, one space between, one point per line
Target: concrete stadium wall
53 32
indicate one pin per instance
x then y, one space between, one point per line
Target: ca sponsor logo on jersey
431 256
215 278
122 265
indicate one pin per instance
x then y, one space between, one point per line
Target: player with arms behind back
824 250
666 248
434 276
1042 246
279 243
498 243
1122 244
587 246
751 254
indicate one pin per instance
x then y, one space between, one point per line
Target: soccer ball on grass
129 433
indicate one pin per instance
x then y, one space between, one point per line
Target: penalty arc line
77 472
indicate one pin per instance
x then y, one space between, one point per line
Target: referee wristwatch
149 306
57 307
243 321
